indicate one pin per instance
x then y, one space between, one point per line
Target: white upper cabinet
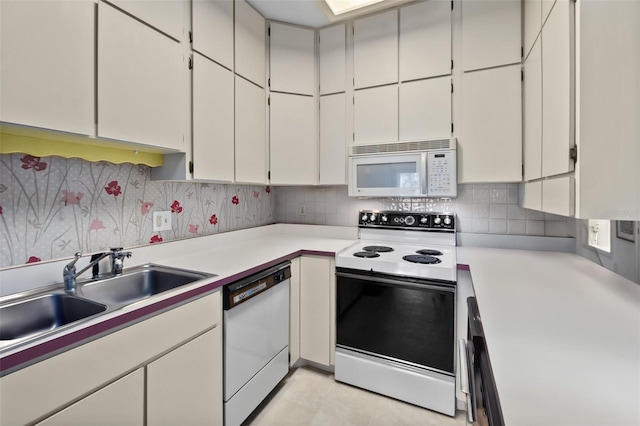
333 149
140 82
532 104
376 115
491 33
332 59
167 16
213 142
425 40
213 30
490 147
557 90
558 196
250 43
294 146
47 64
251 133
292 59
425 109
532 23
375 50
547 5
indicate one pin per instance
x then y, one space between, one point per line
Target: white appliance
256 340
399 169
395 308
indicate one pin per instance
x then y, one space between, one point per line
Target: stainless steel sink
38 315
137 284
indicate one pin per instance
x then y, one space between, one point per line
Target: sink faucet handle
72 265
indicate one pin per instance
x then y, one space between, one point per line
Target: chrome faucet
69 273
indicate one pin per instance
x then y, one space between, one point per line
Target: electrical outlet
302 210
161 221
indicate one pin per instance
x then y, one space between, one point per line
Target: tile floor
308 396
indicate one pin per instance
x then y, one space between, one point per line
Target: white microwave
404 169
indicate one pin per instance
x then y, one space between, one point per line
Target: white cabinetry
425 109
292 59
558 195
491 33
251 139
333 149
425 40
212 22
167 16
532 23
294 312
317 309
47 64
332 57
531 193
213 143
532 105
294 141
490 147
249 43
140 82
376 114
120 403
184 386
375 50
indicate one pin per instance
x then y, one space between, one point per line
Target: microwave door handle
424 184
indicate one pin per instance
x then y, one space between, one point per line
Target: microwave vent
397 147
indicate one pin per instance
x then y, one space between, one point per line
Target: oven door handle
466 380
380 280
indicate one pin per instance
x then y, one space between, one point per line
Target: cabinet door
532 23
491 33
294 312
292 59
184 387
213 143
167 16
120 403
547 5
375 50
332 59
250 43
294 147
333 149
47 64
558 196
491 140
532 104
315 309
213 30
425 109
376 115
251 134
557 90
140 82
532 195
425 40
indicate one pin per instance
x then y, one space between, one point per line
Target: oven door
396 318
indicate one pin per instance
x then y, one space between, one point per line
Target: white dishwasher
256 340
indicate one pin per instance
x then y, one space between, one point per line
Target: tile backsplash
481 208
52 207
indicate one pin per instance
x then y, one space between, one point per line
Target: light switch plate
161 221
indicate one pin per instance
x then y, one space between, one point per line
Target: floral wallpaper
52 207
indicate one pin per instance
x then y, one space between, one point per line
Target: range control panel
407 220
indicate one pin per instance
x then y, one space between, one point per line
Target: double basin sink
39 314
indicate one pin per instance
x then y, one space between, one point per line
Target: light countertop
563 336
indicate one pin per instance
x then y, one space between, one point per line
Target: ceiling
312 13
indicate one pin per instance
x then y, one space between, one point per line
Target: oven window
401 322
388 175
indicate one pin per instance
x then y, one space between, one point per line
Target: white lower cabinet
317 309
184 386
294 312
120 403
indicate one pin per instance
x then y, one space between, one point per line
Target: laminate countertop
563 336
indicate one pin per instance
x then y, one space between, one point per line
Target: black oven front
401 319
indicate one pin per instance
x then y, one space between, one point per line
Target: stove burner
430 252
416 258
378 249
367 254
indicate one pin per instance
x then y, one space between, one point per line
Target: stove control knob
437 220
424 220
409 220
364 217
384 218
372 217
447 221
